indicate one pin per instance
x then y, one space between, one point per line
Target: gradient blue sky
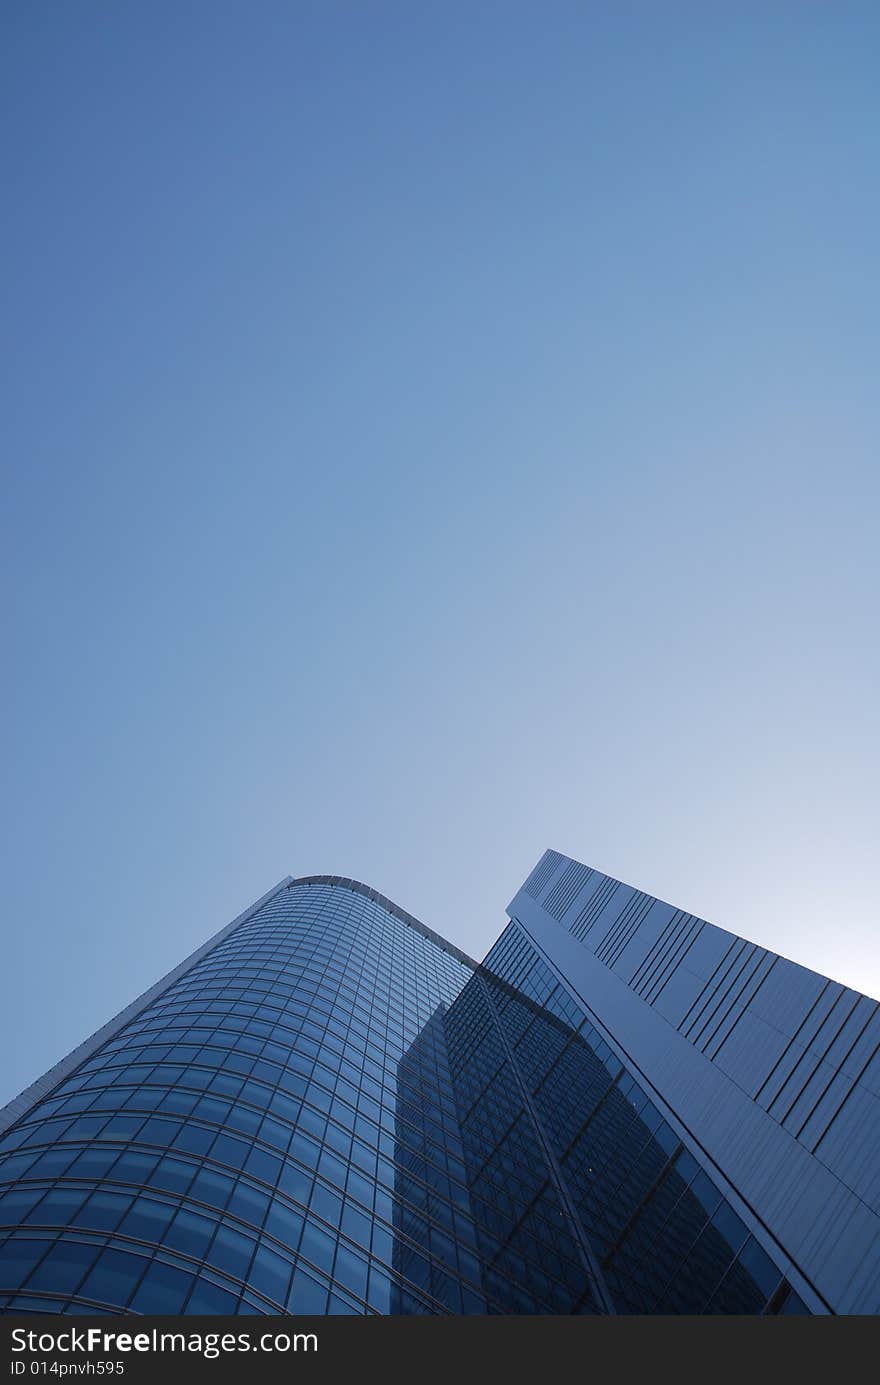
434 432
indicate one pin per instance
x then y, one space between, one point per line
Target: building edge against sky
624 1108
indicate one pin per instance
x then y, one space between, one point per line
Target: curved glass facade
333 1111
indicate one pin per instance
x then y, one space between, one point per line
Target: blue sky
434 432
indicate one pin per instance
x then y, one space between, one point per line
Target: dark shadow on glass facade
574 1193
665 1239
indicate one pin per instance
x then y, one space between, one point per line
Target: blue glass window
63 1267
163 1289
113 1277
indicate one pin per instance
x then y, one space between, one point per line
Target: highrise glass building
329 1108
